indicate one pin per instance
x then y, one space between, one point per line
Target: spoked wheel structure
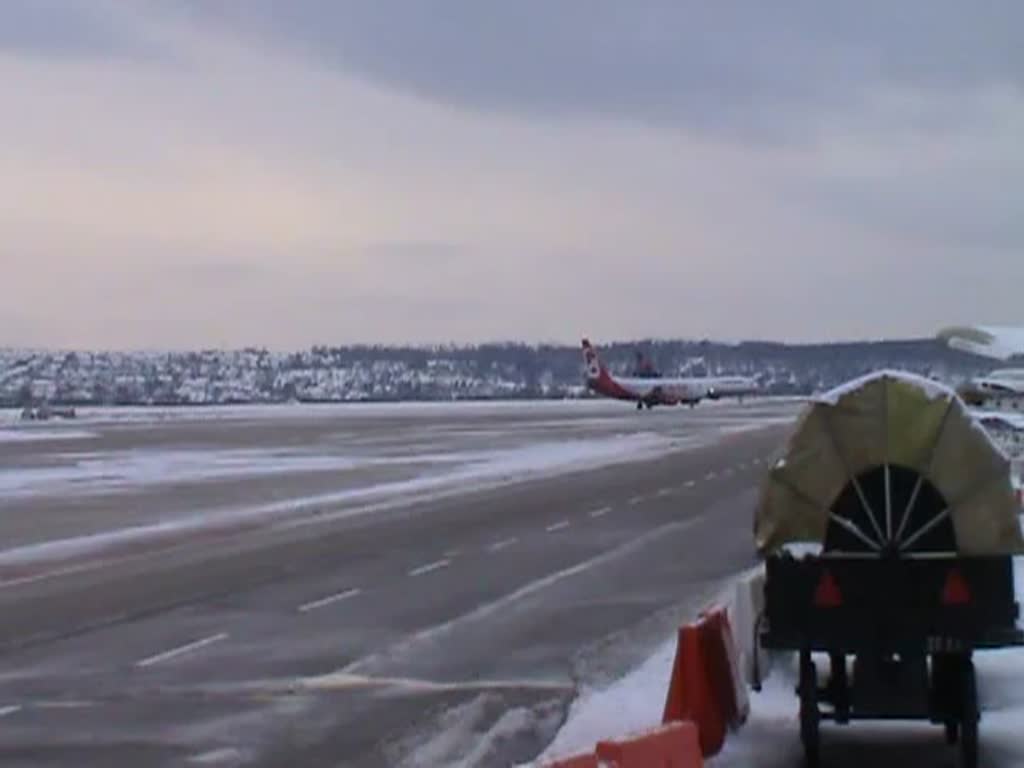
890 511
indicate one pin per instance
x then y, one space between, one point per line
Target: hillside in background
357 373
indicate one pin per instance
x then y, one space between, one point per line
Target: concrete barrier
745 610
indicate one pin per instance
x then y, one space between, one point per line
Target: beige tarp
889 418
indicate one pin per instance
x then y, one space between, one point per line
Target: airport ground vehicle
914 517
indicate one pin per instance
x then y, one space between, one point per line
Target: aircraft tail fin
594 366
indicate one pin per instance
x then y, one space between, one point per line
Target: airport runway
441 605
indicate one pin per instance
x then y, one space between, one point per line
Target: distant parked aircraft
647 387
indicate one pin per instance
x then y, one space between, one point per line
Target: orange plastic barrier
676 745
577 761
690 693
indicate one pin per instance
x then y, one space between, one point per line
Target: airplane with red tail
647 387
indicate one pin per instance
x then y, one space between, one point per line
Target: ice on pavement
43 435
473 471
770 738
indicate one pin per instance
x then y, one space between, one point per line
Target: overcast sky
200 173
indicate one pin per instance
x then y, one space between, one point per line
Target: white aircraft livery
649 388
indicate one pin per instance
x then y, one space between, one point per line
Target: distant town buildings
363 373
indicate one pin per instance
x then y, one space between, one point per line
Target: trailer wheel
810 717
969 718
952 732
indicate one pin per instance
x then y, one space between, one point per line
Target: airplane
1001 388
648 388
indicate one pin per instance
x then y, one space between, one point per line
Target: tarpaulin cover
889 418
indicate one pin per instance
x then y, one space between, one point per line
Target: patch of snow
88 473
480 470
29 435
934 390
632 704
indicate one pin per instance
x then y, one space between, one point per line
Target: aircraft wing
994 341
1006 419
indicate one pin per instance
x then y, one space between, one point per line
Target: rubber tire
810 716
952 728
969 717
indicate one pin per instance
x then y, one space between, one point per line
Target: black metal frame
910 651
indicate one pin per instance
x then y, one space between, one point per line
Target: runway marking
436 565
335 598
499 545
452 553
498 606
665 492
635 500
215 756
5 711
175 652
690 483
709 476
17 582
600 512
562 524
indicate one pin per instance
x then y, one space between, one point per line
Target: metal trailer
899 635
910 511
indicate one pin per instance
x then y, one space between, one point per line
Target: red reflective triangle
827 595
955 592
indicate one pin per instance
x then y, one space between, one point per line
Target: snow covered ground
770 738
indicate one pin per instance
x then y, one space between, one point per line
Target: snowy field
114 477
770 738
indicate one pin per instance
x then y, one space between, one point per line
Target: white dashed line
600 512
709 476
557 526
452 553
500 545
635 500
430 567
690 483
665 492
175 652
214 756
335 598
5 711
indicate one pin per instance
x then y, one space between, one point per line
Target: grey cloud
70 28
747 67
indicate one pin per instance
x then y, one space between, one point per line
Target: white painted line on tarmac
709 476
175 652
635 500
665 492
5 711
600 512
435 566
561 525
335 598
215 756
500 545
452 553
690 483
